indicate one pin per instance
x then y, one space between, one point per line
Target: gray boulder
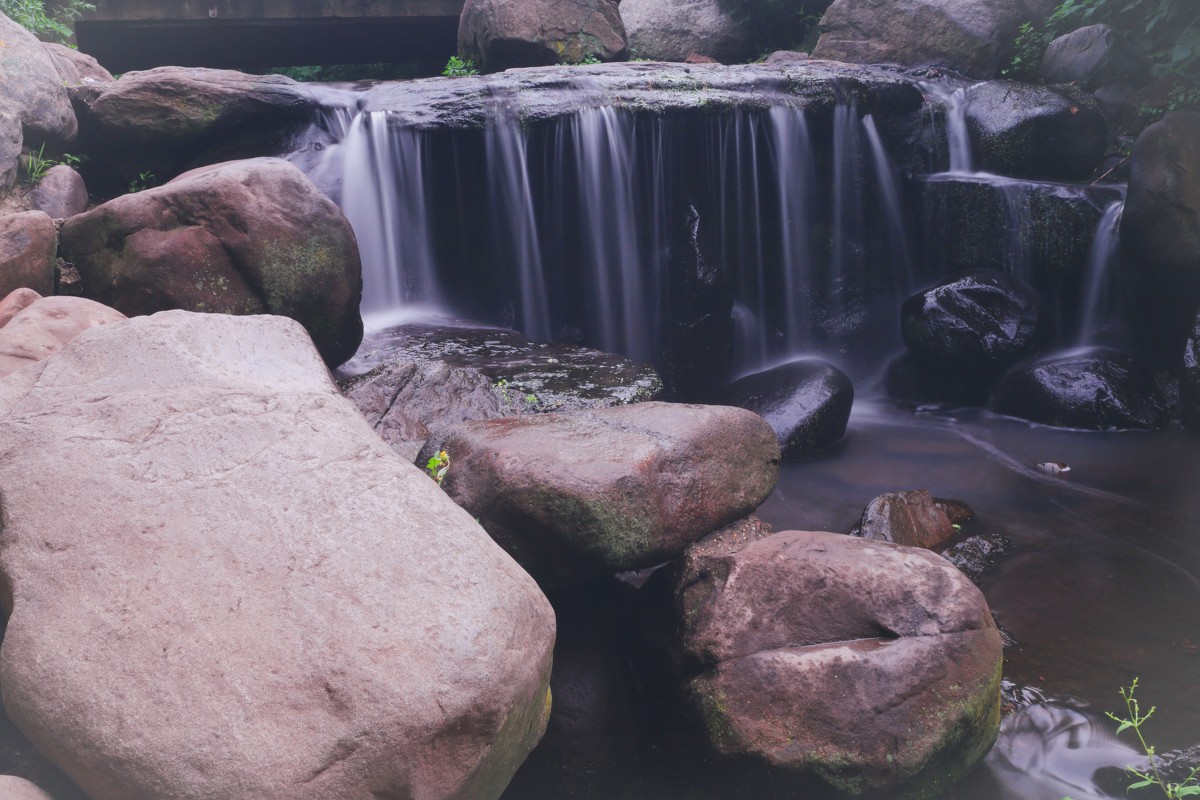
671 30
44 326
872 667
1035 131
61 193
499 34
1094 56
28 244
34 106
246 593
246 237
973 37
584 494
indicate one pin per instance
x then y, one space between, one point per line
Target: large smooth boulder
44 326
246 593
1035 131
973 37
806 402
1160 227
671 30
498 34
14 788
28 245
1189 383
34 107
870 666
592 493
246 237
60 193
1092 389
1093 56
77 68
910 518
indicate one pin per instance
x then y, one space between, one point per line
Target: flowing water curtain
1100 318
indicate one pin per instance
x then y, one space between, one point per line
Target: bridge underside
129 44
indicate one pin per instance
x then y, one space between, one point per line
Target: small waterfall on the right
1099 319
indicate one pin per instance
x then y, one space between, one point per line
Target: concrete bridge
138 34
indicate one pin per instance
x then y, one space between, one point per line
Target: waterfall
889 193
386 200
1099 315
794 170
953 100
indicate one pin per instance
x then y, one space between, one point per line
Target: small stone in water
1053 467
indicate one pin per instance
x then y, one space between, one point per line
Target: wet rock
44 327
1189 383
671 30
1160 228
13 788
592 493
246 593
972 37
1031 131
247 237
1090 389
956 511
34 107
806 402
917 380
870 666
1094 56
976 554
60 194
910 518
499 34
976 323
28 244
163 120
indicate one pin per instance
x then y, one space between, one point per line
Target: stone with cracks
246 237
498 34
28 243
872 667
42 327
246 593
579 495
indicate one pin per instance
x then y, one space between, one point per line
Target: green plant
1168 31
73 161
591 58
37 165
459 68
1027 52
501 388
438 466
143 181
54 25
1189 787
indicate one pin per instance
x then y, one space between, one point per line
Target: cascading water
1100 320
792 145
952 98
889 194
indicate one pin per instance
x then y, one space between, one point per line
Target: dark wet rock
1189 382
500 34
1041 232
1160 227
538 95
806 402
34 107
956 511
247 237
61 193
1035 131
910 518
597 743
976 323
164 120
672 30
28 244
870 666
973 37
530 376
1094 56
976 554
584 494
1092 389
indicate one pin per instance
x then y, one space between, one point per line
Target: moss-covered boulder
246 237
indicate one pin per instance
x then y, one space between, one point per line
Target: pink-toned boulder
246 593
77 67
28 243
15 302
45 326
14 788
61 193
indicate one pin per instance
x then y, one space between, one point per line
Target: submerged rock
910 518
246 237
872 667
28 244
1090 389
246 593
976 554
806 402
591 493
499 34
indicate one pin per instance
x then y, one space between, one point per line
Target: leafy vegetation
36 165
1134 719
458 68
1027 53
55 25
143 181
346 73
438 466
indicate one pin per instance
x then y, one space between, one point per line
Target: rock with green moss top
577 495
246 237
816 657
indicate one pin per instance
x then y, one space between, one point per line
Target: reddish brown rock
15 302
61 193
44 326
499 34
910 518
28 243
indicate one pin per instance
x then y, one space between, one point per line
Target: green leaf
1140 785
1187 791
